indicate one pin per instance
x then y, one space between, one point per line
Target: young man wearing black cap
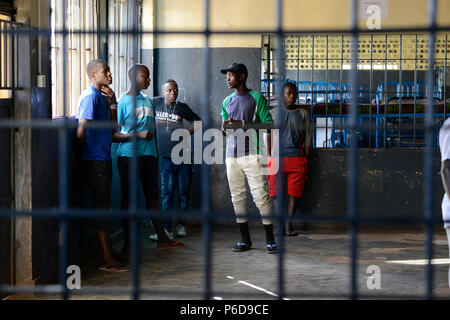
239 110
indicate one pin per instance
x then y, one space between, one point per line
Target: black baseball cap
239 68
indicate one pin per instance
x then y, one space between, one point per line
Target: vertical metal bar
370 99
445 77
6 54
13 57
400 76
15 73
342 136
133 187
326 93
279 209
263 63
416 92
298 66
120 37
429 152
63 171
383 92
205 175
352 160
78 51
3 34
312 83
116 46
269 69
312 73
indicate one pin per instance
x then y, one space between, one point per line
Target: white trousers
250 168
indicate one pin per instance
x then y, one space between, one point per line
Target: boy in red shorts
295 136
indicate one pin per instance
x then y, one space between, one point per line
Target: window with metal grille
120 43
81 15
391 92
7 68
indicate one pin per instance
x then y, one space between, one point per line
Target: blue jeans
174 176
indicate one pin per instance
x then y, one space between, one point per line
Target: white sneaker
154 236
181 231
170 235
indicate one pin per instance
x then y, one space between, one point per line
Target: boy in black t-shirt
170 116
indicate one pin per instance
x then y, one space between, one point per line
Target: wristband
113 106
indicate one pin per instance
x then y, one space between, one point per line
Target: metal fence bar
280 212
370 98
6 40
2 66
445 76
48 32
133 168
269 69
63 212
429 163
205 174
352 188
400 75
15 50
415 93
326 94
385 81
298 65
312 75
56 289
93 213
63 174
341 65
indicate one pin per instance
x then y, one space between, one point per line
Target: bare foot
114 266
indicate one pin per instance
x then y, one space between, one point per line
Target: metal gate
353 218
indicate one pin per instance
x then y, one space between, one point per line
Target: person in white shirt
444 145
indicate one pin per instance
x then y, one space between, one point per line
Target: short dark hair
168 81
133 70
289 84
93 64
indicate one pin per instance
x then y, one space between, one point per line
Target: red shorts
295 171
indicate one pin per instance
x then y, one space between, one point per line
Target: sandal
241 247
114 267
171 245
291 233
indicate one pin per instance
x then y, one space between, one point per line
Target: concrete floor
316 266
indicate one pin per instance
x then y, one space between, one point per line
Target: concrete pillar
34 14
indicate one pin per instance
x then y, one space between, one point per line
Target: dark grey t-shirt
240 107
168 119
294 127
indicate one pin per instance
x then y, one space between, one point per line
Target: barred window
81 48
120 43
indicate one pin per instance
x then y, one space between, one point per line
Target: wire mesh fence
387 112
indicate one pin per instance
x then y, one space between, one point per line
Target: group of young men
144 130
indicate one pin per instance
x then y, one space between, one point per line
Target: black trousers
147 174
97 175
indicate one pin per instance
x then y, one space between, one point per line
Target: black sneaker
241 247
271 248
